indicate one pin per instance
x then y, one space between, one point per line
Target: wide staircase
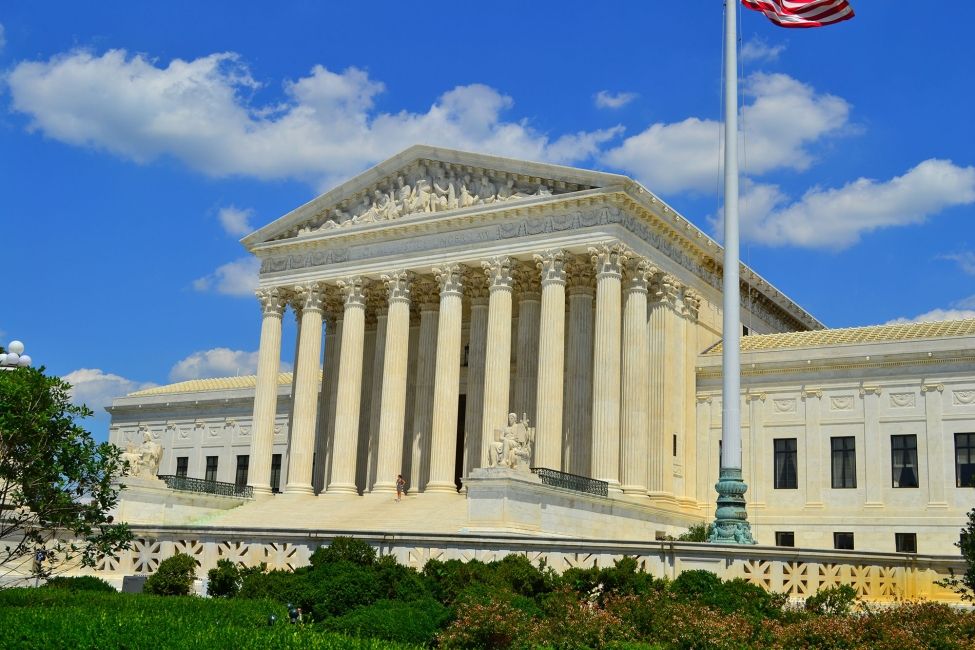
426 512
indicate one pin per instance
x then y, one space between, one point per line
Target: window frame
836 541
211 471
843 481
899 538
783 536
786 453
242 468
276 473
182 466
895 482
969 447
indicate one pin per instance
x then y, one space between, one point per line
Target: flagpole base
730 519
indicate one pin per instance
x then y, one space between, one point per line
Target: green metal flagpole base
730 519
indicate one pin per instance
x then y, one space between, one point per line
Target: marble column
347 404
393 413
376 393
526 359
307 383
326 406
446 392
873 471
659 477
266 392
497 356
636 393
688 451
608 261
475 286
551 361
426 371
578 385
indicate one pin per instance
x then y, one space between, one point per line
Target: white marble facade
440 291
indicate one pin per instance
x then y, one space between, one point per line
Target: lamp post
14 357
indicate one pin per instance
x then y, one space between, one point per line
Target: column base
262 491
634 490
384 488
299 489
441 487
730 519
342 488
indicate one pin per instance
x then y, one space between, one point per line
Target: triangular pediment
427 180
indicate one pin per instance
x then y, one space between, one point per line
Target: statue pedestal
502 500
147 500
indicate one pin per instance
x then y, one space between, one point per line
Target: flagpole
730 518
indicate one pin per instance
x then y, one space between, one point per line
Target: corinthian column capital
668 290
450 278
498 272
692 303
309 297
551 263
353 291
398 285
609 259
273 301
639 273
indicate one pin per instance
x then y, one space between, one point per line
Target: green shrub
224 580
834 601
624 577
174 577
80 583
496 625
447 580
696 533
338 589
344 549
570 623
695 586
417 621
281 586
518 574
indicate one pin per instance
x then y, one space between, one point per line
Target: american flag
802 13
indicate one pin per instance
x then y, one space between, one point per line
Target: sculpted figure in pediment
446 192
486 190
466 198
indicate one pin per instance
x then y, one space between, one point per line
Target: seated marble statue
143 459
512 447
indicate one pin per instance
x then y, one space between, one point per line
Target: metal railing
575 482
187 484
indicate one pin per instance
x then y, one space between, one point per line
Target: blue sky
140 141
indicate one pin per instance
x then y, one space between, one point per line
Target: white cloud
758 49
97 388
606 99
936 315
237 278
218 362
199 112
235 221
965 303
836 218
784 118
966 260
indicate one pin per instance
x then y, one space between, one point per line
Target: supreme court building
441 291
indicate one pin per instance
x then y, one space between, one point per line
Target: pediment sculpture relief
512 446
432 187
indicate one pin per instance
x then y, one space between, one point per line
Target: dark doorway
459 455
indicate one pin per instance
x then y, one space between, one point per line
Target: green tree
57 485
967 546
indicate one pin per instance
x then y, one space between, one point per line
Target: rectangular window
843 541
276 473
182 465
211 472
844 462
785 538
242 463
786 474
675 445
906 542
965 460
903 461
